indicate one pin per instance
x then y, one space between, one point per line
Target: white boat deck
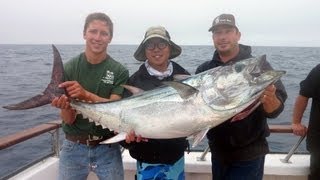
298 169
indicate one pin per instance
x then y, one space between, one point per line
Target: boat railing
54 126
16 138
273 129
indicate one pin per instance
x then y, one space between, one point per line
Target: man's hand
269 99
67 114
74 89
299 129
132 137
61 102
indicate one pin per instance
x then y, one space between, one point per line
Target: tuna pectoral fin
184 90
117 138
33 102
198 137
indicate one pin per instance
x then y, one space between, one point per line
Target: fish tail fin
50 92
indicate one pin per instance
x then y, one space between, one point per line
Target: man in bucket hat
157 158
162 33
238 148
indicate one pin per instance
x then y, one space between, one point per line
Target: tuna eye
239 67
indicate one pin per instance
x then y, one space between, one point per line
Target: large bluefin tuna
184 108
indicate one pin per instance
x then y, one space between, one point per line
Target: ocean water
25 71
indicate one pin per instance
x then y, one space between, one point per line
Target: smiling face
97 36
225 39
157 51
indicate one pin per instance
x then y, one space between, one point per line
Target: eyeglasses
152 45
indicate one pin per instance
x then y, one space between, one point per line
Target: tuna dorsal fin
180 77
133 90
50 92
184 90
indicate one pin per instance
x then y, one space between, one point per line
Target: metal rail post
55 142
292 150
203 155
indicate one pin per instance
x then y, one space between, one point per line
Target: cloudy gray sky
267 22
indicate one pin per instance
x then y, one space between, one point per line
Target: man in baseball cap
238 149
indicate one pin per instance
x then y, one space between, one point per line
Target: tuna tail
50 92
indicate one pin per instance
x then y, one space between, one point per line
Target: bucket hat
160 32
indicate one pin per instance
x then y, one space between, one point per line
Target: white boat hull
274 169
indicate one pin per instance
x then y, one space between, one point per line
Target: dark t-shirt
310 88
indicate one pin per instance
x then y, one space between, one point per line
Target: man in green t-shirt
96 77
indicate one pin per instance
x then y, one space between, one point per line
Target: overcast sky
262 23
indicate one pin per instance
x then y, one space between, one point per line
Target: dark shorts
240 170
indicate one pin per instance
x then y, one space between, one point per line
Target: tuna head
232 88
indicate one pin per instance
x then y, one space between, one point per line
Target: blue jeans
239 170
77 160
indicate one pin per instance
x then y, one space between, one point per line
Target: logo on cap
217 20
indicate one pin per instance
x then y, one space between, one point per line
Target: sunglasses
159 45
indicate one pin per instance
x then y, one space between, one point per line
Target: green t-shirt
102 79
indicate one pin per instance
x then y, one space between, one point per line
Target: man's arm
75 90
90 97
298 110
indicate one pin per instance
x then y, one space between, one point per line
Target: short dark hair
98 16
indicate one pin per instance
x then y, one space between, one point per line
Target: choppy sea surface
25 71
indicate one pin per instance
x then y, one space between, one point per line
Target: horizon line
120 44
